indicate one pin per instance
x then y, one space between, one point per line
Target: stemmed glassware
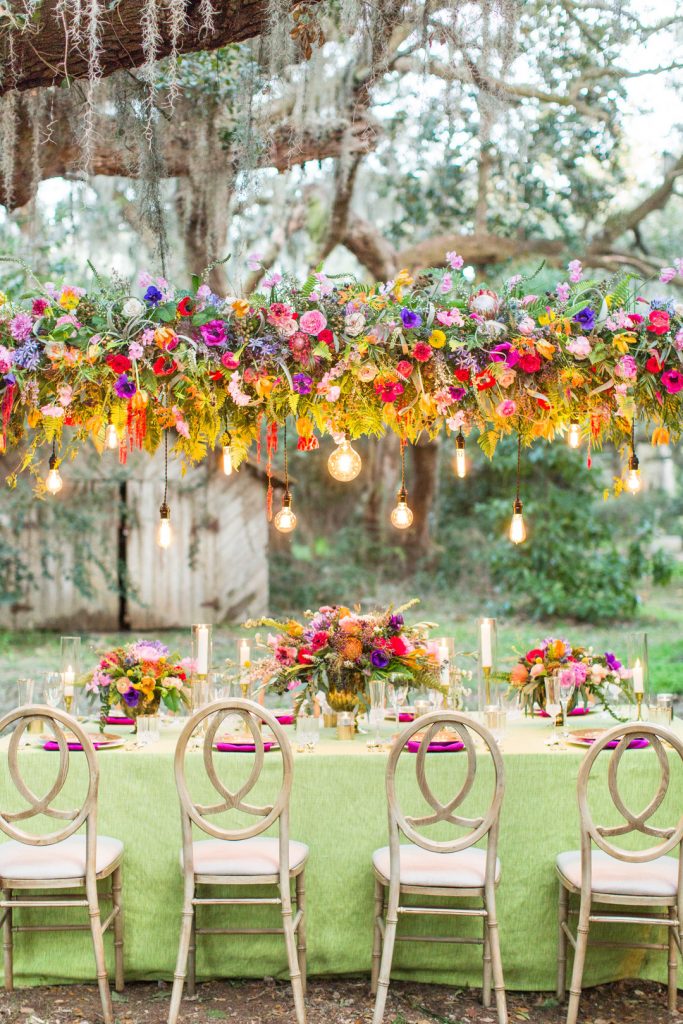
397 694
53 688
553 705
567 685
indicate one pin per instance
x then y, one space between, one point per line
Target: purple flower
213 333
125 387
395 623
457 394
21 326
410 318
153 296
132 697
27 356
613 662
586 318
379 658
302 383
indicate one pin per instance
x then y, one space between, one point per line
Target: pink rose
506 408
450 318
579 347
313 322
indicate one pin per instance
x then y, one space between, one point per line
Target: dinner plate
100 741
588 737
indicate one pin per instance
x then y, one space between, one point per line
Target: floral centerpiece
338 650
139 677
596 676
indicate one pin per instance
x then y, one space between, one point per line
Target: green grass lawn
661 617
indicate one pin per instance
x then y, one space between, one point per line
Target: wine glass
567 684
53 688
553 705
397 694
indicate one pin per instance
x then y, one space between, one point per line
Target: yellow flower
660 435
241 307
304 426
437 339
622 341
68 299
545 349
546 318
3 298
401 281
147 684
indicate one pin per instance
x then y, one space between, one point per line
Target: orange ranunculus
166 338
519 675
544 348
241 307
147 684
350 626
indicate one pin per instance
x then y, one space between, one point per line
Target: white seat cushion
620 878
463 870
257 856
59 861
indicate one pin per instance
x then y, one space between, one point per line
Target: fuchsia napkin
285 719
406 716
576 712
435 748
241 748
636 744
75 745
119 720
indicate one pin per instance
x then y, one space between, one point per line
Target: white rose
678 309
131 308
354 324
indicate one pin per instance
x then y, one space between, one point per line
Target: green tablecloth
339 809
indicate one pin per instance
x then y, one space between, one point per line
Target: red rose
462 375
659 321
164 369
405 368
327 337
185 307
422 352
530 362
654 364
398 646
532 655
304 656
119 364
484 380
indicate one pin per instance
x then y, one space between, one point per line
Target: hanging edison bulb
517 533
164 530
227 459
459 460
344 463
111 437
285 520
53 480
574 435
401 514
633 481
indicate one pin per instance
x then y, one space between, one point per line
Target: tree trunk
422 492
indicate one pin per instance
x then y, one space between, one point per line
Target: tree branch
627 220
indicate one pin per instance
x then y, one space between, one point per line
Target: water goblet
567 685
397 694
553 705
53 688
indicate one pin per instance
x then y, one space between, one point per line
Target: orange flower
147 684
544 348
351 648
164 337
241 307
519 675
660 435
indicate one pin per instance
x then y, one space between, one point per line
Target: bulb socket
402 495
164 511
460 442
52 464
633 463
517 507
287 499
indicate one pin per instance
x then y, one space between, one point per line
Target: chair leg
390 926
301 931
181 962
377 936
100 961
496 959
486 986
117 903
673 962
579 960
192 956
290 943
563 917
7 944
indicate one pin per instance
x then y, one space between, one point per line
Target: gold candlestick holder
68 703
639 702
486 671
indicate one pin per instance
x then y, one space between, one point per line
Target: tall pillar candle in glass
636 653
487 663
201 664
70 669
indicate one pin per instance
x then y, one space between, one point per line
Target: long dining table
338 807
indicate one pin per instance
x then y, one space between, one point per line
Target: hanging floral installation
432 355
